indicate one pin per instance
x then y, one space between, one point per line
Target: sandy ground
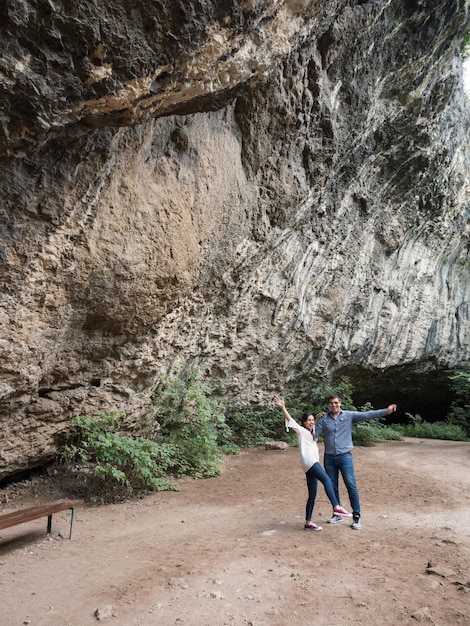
232 550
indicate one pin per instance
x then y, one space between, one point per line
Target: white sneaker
336 519
356 525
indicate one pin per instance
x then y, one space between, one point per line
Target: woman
309 459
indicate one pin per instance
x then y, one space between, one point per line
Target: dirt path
231 550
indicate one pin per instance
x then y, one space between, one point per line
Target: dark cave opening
427 393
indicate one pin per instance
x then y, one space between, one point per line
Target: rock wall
270 189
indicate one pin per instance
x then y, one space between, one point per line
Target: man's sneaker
336 519
356 525
312 526
339 511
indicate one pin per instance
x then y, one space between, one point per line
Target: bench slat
7 520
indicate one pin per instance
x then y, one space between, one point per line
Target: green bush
375 431
459 412
253 427
192 423
431 430
108 466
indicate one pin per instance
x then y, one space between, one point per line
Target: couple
336 426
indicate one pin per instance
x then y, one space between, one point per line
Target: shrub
253 427
192 423
431 430
459 412
108 466
368 433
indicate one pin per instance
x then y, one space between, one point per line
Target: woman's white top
309 454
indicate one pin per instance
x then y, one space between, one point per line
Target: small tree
191 422
459 412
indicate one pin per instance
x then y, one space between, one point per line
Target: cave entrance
413 389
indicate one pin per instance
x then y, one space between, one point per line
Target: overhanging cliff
270 189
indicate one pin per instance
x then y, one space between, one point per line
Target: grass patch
431 430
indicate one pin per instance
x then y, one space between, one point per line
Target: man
336 427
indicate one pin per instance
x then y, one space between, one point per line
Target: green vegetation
368 433
254 427
109 466
465 47
431 430
192 423
188 432
187 435
459 413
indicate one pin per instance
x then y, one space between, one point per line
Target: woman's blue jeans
336 463
317 473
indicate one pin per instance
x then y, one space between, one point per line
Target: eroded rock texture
272 189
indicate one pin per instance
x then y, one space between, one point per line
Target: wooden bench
7 520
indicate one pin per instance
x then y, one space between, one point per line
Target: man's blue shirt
337 432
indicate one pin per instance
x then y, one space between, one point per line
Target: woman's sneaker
338 511
336 519
312 526
356 525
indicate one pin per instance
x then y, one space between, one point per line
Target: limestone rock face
270 189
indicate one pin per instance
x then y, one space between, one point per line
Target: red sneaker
338 510
312 526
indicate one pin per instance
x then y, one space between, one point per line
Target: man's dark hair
333 396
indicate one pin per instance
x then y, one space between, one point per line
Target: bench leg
72 517
49 523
